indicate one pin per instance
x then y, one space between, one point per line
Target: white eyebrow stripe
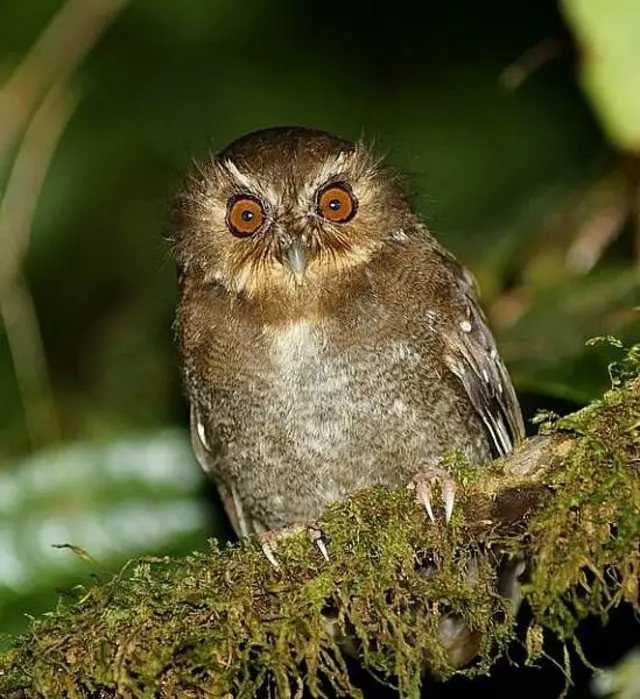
240 177
265 190
331 167
334 167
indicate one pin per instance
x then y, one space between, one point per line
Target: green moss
585 542
227 622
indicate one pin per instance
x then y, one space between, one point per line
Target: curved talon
269 539
268 553
422 484
449 497
316 536
423 491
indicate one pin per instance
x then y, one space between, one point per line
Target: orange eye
337 204
245 215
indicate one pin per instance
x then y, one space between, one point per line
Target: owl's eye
245 216
337 204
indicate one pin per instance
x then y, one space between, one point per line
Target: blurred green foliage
479 102
109 500
609 33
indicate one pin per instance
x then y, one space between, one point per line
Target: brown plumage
328 342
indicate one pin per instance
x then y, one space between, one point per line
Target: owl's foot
423 483
270 539
317 537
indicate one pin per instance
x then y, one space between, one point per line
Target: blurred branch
29 361
70 35
17 209
20 198
35 101
532 60
613 196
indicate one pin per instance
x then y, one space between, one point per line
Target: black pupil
247 215
335 204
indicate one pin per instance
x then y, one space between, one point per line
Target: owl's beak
296 256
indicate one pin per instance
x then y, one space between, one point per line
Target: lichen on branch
226 622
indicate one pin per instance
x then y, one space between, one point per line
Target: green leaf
609 35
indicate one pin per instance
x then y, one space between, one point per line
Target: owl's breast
330 418
314 389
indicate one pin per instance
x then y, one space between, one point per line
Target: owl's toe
270 539
423 483
318 539
268 548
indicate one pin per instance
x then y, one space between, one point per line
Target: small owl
328 342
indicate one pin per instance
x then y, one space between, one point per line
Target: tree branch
226 623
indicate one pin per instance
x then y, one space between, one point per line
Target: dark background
510 168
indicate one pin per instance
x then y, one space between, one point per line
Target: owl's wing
471 354
206 458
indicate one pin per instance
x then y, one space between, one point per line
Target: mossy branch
226 623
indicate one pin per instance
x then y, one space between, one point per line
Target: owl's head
285 210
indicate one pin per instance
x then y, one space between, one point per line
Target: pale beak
296 256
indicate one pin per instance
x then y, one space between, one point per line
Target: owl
328 342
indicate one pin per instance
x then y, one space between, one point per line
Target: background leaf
609 37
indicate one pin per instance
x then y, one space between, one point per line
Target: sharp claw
268 553
424 492
316 537
449 497
323 549
427 505
422 485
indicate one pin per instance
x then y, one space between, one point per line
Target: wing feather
472 355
